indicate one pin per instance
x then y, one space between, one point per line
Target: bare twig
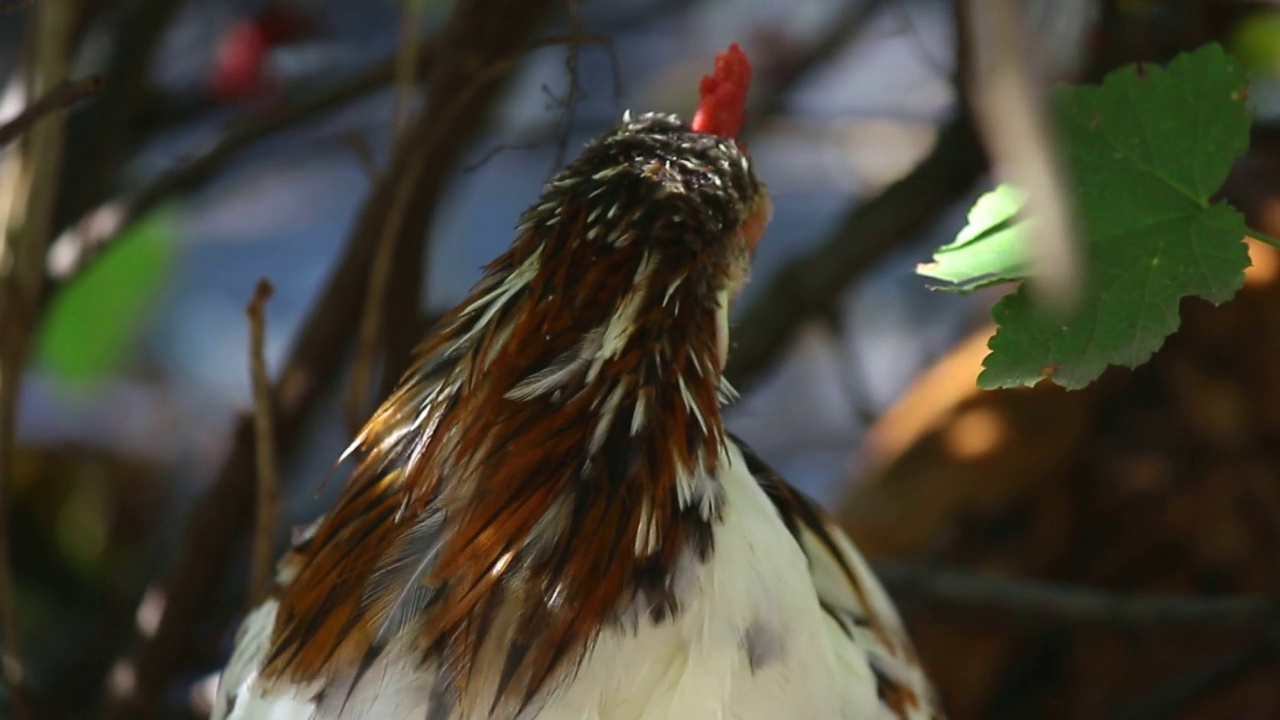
218 519
560 131
778 80
267 507
27 187
1056 603
1012 115
574 94
97 138
431 151
63 95
11 666
1182 691
363 152
369 338
458 96
393 317
808 285
82 242
406 67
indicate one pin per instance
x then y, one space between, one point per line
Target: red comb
724 95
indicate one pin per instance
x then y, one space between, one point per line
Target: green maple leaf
1144 152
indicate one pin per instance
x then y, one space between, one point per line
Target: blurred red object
239 67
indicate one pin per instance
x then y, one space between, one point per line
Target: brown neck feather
541 472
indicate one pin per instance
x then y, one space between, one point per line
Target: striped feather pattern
547 519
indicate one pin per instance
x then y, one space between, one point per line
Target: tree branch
482 54
779 79
369 335
1004 86
808 285
267 503
96 138
1055 603
868 232
218 520
28 183
63 95
82 242
1184 690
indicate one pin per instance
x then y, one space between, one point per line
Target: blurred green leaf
991 249
82 529
1256 42
95 320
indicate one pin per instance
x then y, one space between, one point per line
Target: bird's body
550 521
783 621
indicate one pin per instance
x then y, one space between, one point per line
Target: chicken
549 520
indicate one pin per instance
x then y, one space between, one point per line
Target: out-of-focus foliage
96 320
1256 42
990 249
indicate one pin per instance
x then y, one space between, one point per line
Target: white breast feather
757 587
238 696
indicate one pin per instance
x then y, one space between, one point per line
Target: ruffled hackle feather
547 519
551 456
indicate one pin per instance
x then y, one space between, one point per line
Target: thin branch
777 79
267 507
62 96
422 170
393 309
218 519
81 243
1184 690
781 78
459 94
28 185
392 340
561 129
406 66
11 665
808 285
364 154
1012 115
369 338
1056 603
575 94
1263 238
97 138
